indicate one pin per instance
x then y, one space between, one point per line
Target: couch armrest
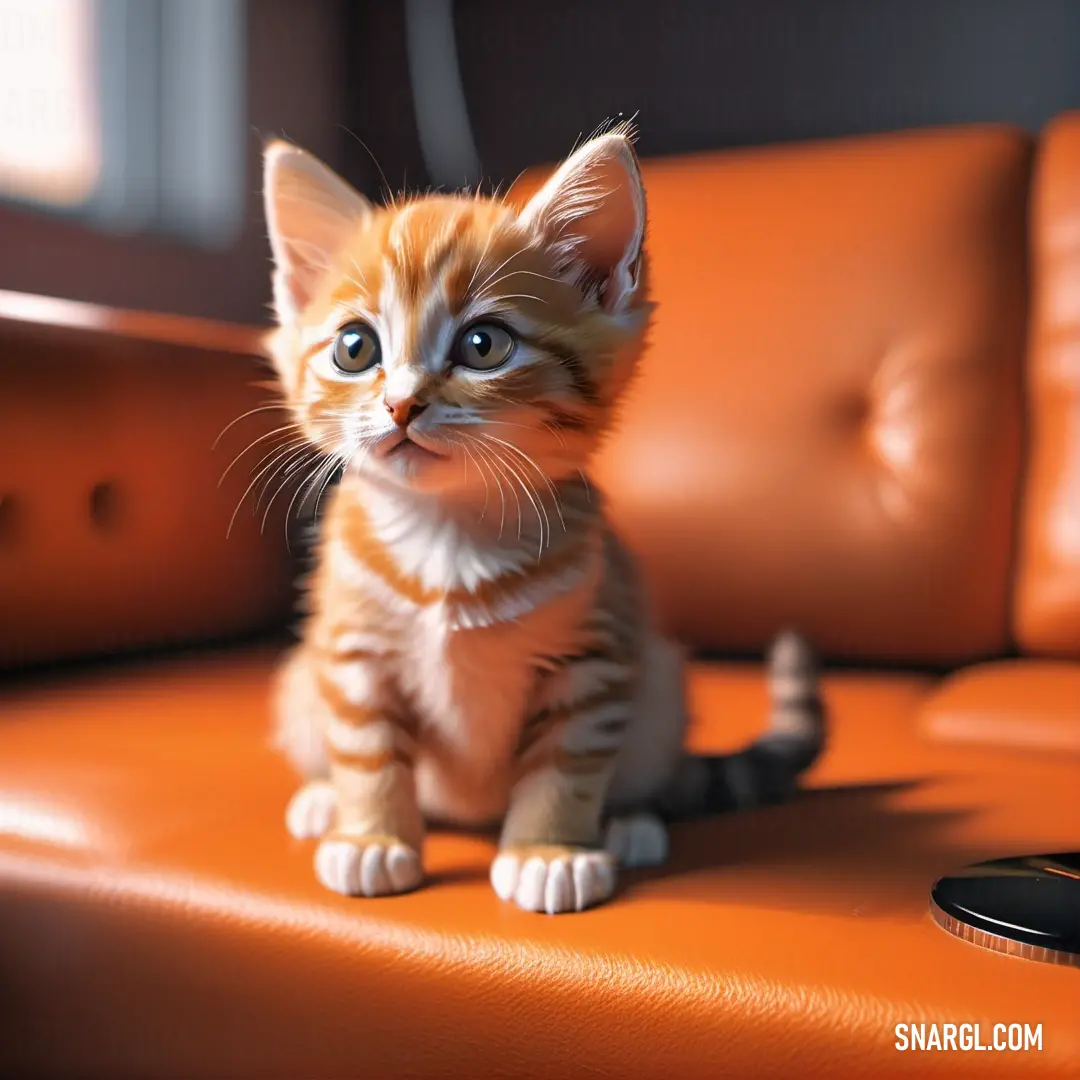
114 531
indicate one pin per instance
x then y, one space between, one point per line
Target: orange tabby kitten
478 648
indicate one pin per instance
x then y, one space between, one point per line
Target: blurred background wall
130 130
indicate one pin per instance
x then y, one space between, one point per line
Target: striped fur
477 648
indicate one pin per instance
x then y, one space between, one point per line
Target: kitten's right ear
310 213
591 213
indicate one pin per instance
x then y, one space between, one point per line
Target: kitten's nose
405 411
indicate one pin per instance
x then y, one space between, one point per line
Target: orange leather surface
157 920
826 431
114 531
1048 587
1027 704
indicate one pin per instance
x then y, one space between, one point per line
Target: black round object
1028 906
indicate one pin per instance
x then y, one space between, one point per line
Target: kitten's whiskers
515 273
531 494
556 498
481 289
244 416
286 470
498 474
281 432
469 456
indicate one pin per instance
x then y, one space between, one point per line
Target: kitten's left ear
592 212
310 214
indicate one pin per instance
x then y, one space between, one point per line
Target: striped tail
767 771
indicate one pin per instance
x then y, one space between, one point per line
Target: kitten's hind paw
312 810
367 865
637 840
553 879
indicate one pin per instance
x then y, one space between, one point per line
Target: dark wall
537 73
715 73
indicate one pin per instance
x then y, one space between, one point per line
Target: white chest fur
471 691
473 687
469 665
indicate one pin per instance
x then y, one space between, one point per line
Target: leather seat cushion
156 920
1030 705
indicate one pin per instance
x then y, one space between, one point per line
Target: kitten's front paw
637 840
367 865
312 810
552 878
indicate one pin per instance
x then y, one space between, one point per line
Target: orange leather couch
860 413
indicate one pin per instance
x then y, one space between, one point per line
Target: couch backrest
827 428
827 431
1048 578
114 531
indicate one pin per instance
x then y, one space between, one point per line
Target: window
50 130
128 114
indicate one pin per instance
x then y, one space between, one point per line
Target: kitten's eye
356 349
484 347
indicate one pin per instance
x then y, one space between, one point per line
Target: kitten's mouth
410 448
